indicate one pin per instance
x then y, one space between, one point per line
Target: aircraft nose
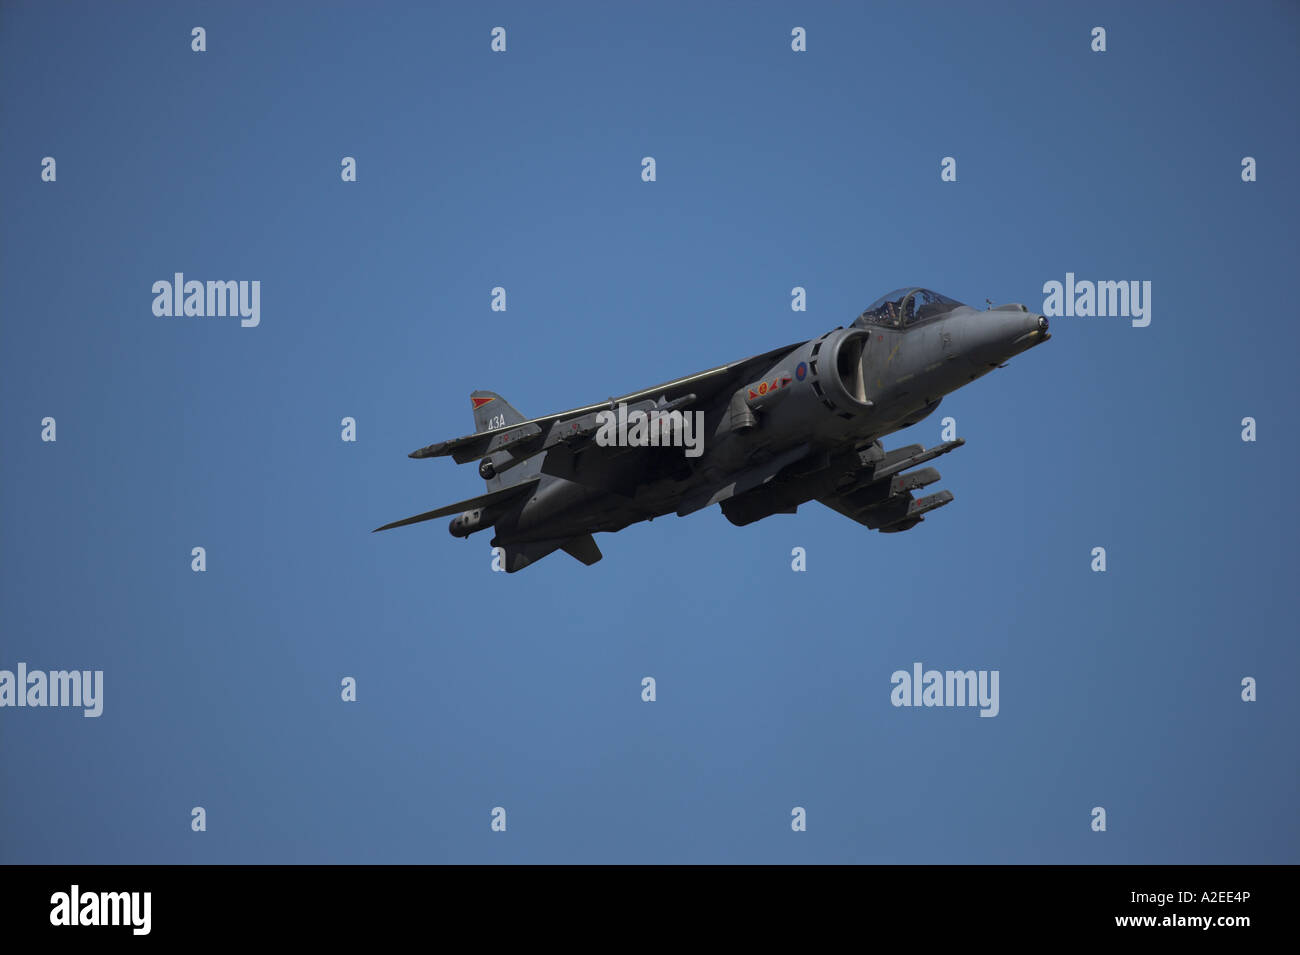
1031 330
1001 333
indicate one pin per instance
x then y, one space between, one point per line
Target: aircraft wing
536 434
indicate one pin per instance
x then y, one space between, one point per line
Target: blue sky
774 169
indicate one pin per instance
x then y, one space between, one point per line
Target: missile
916 511
902 483
901 511
676 404
933 502
913 460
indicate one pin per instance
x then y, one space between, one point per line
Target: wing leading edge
706 385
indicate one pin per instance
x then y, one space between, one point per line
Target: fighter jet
759 436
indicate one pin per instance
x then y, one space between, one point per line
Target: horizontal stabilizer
483 500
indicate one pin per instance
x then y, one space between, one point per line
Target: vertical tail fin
491 411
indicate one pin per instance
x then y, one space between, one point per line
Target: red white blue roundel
800 371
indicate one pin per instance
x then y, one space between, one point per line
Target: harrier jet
758 436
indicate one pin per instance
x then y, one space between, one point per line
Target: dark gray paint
551 486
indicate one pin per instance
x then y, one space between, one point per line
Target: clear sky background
775 169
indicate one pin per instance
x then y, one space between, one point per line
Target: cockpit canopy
906 306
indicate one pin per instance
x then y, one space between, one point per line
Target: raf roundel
800 371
